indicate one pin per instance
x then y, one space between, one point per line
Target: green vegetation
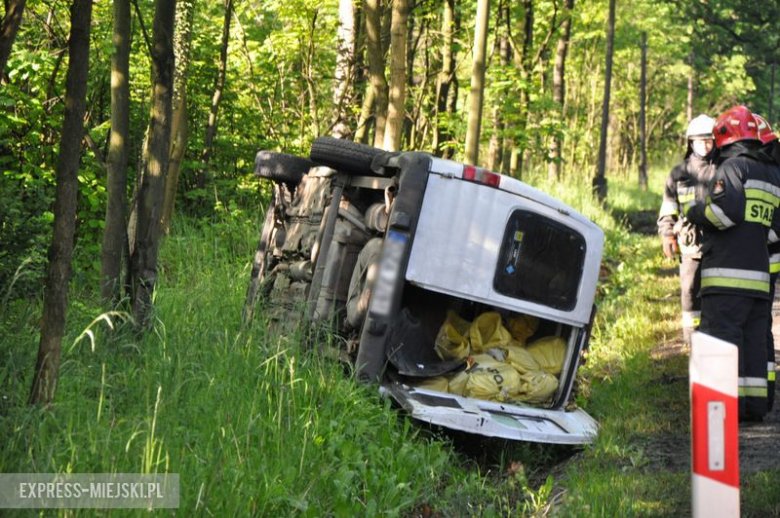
256 424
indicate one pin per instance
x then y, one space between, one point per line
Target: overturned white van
382 246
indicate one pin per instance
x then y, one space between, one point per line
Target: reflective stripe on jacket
736 216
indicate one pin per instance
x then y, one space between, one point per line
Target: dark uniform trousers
742 321
690 285
771 374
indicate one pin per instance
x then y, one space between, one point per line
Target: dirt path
759 443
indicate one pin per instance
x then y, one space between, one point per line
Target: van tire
282 168
344 155
261 265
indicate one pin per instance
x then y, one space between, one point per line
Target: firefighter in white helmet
680 237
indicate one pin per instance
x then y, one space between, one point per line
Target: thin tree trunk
477 92
376 67
8 29
143 261
345 63
182 44
526 74
219 87
55 302
397 98
689 104
600 180
309 77
407 128
496 149
642 122
361 132
771 110
559 89
446 75
115 232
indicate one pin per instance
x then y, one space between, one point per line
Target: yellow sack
457 383
487 331
452 341
437 383
522 327
491 380
536 387
519 358
549 352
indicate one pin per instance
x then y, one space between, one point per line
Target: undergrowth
256 424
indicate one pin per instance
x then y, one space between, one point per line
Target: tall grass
255 424
251 422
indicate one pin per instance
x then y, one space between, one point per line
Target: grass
254 424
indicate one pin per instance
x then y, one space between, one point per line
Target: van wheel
263 263
362 280
344 155
282 168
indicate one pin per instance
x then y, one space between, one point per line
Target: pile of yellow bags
500 365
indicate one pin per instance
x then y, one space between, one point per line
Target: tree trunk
55 301
496 149
376 67
8 29
526 74
345 62
115 233
219 86
446 76
642 122
689 104
361 132
143 261
559 89
477 92
771 110
600 180
182 43
397 97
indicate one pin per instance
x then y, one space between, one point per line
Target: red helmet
734 125
765 133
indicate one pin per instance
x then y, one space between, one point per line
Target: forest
129 214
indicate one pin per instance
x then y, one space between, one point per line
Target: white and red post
714 427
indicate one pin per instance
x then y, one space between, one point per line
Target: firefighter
735 216
771 147
678 235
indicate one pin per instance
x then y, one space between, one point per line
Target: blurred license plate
389 267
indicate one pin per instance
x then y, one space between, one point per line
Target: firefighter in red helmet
678 235
771 147
736 215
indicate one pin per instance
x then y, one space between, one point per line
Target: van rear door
493 419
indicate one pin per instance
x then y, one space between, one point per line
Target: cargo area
452 345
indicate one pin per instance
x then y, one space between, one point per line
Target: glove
671 250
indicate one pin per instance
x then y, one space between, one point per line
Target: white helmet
701 126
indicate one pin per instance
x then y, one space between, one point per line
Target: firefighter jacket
736 215
771 153
687 181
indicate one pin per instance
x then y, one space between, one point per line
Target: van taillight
475 174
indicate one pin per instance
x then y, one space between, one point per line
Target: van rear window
541 261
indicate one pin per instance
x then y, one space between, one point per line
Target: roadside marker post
714 427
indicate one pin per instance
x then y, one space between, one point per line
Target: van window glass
541 261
